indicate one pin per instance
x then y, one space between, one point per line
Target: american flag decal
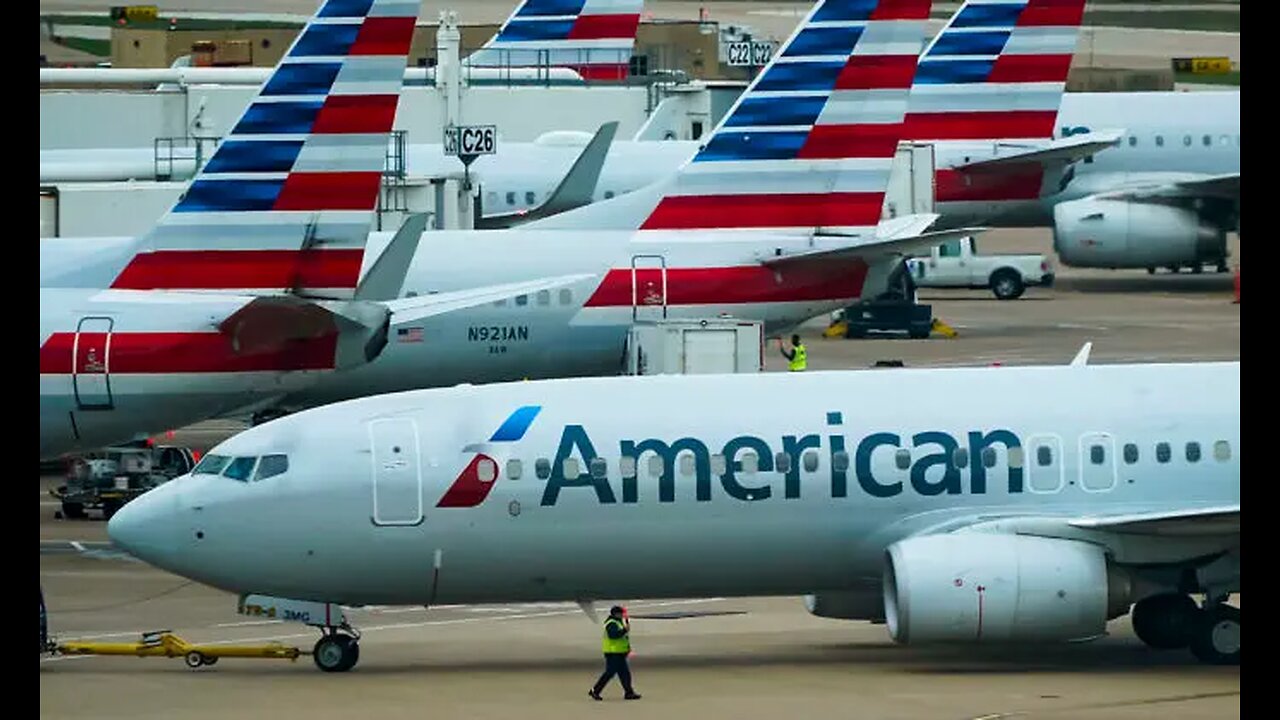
409 335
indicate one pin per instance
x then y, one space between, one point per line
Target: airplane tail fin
592 37
810 143
996 71
286 203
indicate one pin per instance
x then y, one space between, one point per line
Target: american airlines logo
749 468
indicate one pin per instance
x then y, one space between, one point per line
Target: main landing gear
338 649
1173 621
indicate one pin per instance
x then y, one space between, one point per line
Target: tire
210 660
1216 640
1151 271
194 659
72 511
1197 269
335 653
1006 285
1165 622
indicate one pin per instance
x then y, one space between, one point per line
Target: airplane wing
416 308
1225 187
905 241
1061 150
1223 520
575 189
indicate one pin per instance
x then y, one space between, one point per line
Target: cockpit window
211 465
240 468
272 465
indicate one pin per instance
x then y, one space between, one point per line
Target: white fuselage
521 492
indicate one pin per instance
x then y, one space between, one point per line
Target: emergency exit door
648 287
91 364
397 474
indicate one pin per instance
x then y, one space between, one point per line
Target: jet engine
990 587
1091 232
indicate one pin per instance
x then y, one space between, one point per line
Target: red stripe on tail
241 269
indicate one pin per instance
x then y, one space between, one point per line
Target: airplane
770 222
247 288
934 500
594 38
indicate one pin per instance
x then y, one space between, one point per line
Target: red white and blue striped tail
286 202
592 37
997 71
810 143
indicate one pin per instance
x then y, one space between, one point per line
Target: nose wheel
337 650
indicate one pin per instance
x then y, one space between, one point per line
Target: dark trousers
615 664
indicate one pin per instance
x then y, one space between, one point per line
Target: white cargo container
691 347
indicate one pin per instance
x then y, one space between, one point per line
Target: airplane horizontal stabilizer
385 279
901 245
424 306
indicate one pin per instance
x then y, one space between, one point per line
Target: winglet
386 277
1082 358
575 189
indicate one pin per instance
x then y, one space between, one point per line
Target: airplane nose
147 527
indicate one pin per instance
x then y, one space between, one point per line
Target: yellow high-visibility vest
799 360
620 645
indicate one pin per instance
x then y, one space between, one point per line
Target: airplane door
648 287
1097 462
397 473
90 371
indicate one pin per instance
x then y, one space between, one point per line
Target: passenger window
270 466
902 459
608 194
566 296
655 466
1186 140
240 468
718 465
599 468
1208 140
522 300
542 468
782 462
211 465
627 466
529 197
1044 455
514 469
570 467
1131 453
1015 457
1193 452
811 461
544 297
750 463
960 458
989 457
1159 141
686 464
1133 140
1097 454
1163 452
1222 451
511 198
486 470
840 461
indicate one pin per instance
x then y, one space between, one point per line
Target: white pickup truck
957 264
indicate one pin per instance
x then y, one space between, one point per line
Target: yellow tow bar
166 644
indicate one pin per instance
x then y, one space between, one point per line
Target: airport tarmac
740 658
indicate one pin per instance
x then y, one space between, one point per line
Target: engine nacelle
991 587
853 605
1115 234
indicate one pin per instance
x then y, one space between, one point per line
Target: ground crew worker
797 357
617 646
